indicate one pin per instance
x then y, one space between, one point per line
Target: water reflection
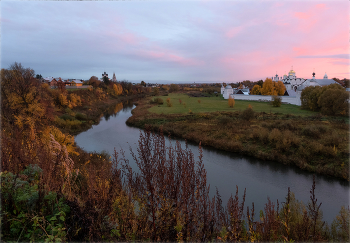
225 170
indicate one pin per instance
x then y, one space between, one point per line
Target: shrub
276 101
224 121
334 102
311 131
340 225
248 114
333 140
67 117
173 88
231 101
275 136
81 116
168 102
157 100
31 213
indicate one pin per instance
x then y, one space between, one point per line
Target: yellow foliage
118 89
268 87
63 139
256 90
231 101
62 99
280 88
74 100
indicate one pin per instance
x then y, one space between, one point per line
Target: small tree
173 88
276 101
231 101
155 91
106 80
248 113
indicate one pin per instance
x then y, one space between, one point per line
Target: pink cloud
231 32
301 15
165 55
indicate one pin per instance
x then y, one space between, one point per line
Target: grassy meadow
212 104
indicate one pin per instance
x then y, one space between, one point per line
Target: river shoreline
207 130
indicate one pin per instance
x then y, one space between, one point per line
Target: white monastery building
294 87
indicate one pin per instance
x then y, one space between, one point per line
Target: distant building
77 82
291 82
228 90
114 79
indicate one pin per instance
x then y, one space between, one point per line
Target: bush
31 213
248 114
224 121
173 88
311 131
81 116
158 101
276 101
334 102
231 101
67 117
168 102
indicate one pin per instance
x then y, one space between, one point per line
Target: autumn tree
334 102
268 87
156 91
143 83
20 96
118 89
256 90
174 88
94 82
280 88
310 96
61 85
231 101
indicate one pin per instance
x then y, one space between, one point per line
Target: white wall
285 99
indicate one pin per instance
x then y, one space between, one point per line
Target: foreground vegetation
303 138
51 190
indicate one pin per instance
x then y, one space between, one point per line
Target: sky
177 41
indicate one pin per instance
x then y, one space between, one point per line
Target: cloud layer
182 41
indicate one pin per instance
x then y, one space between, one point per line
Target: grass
211 104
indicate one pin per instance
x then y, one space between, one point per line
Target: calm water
225 170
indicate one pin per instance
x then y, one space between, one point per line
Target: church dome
325 75
291 72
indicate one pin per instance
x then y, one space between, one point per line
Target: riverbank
82 118
308 142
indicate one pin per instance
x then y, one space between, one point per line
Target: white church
294 87
291 82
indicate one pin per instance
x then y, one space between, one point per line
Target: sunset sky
177 41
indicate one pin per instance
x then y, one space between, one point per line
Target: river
262 179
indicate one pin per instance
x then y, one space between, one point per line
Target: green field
211 104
